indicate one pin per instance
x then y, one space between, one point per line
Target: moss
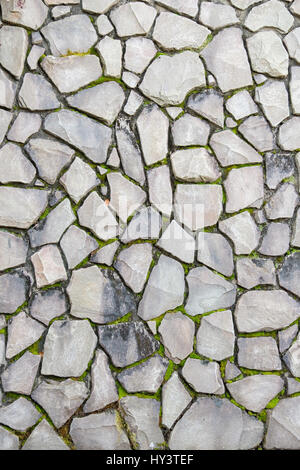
170 370
124 319
106 79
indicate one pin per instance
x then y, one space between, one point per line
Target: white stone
271 14
244 188
36 93
195 165
267 54
14 166
294 89
215 336
22 332
292 41
133 264
13 49
160 189
95 215
273 97
190 130
30 14
139 52
177 333
133 18
289 134
7 90
232 150
153 128
208 104
20 207
203 376
175 398
48 266
110 51
13 250
125 196
24 126
96 6
243 232
216 15
79 179
241 105
188 7
179 243
34 56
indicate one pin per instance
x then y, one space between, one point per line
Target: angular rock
203 376
276 239
244 188
214 251
110 51
175 398
179 243
30 14
48 266
105 255
294 89
13 250
259 353
208 291
296 235
257 131
286 337
43 437
278 167
36 93
267 54
125 196
133 18
177 332
7 90
273 97
282 203
254 272
22 332
190 130
291 42
289 274
133 264
8 440
19 415
232 150
164 290
292 386
96 6
48 304
153 128
13 49
146 377
284 425
160 189
5 120
95 215
138 54
19 376
195 165
34 56
242 231
215 336
24 126
189 8
13 292
77 245
231 371
271 14
14 166
129 152
288 135
79 179
241 105
216 15
208 104
69 347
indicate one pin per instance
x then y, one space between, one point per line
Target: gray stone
138 54
175 398
2 355
30 14
291 358
276 239
153 128
242 231
99 432
97 6
244 188
296 235
34 56
133 104
177 332
59 11
271 14
289 274
69 347
190 130
189 8
13 49
291 42
146 224
267 54
179 243
133 18
133 264
231 371
208 104
74 34
13 292
79 179
77 245
5 120
22 332
195 165
51 228
49 156
232 150
8 440
103 101
95 215
103 389
14 166
7 90
164 290
19 376
284 425
294 89
24 126
229 65
274 99
286 337
48 266
293 386
36 94
203 376
282 203
160 189
255 392
142 418
104 26
85 134
216 15
110 51
48 304
257 131
265 311
169 78
208 291
216 424
295 7
214 251
241 105
288 135
13 250
215 336
146 377
254 272
129 152
43 437
125 196
127 343
99 294
278 167
60 399
259 353
19 415
105 255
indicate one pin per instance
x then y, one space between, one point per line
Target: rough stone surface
215 336
177 332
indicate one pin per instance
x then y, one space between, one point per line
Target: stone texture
48 304
267 54
133 264
22 332
258 132
13 250
259 353
241 105
146 223
215 252
288 135
203 376
43 437
110 51
177 333
77 245
24 126
7 90
275 240
129 151
37 94
215 336
175 398
48 266
291 42
291 358
216 15
190 130
243 232
13 291
30 14
146 377
272 14
232 150
208 104
19 415
282 203
278 167
19 376
294 89
95 215
79 179
179 243
153 128
289 274
138 54
273 97
255 272
195 165
283 431
160 189
14 166
125 196
235 185
13 49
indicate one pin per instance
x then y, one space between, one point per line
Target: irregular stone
216 15
5 120
13 49
174 111
60 399
129 152
291 42
276 239
294 89
133 264
153 128
198 206
90 137
238 179
130 79
146 377
169 78
104 390
160 189
7 90
68 348
13 250
231 371
208 291
208 104
215 336
178 242
127 343
30 14
189 7
138 54
72 72
110 51
133 104
216 424
95 215
257 131
34 56
49 156
77 245
288 135
146 224
273 97
282 203
105 255
14 166
243 232
164 290
79 179
2 354
99 432
190 130
36 93
291 358
254 272
8 440
13 292
48 266
19 415
174 32
48 304
278 167
125 196
271 14
229 65
232 150
255 392
214 251
267 54
195 165
243 4
203 376
43 437
133 18
175 398
104 26
284 425
19 376
286 337
259 353
142 418
24 126
295 7
97 6
59 11
177 332
99 295
296 235
74 34
103 101
293 386
289 274
241 105
22 332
